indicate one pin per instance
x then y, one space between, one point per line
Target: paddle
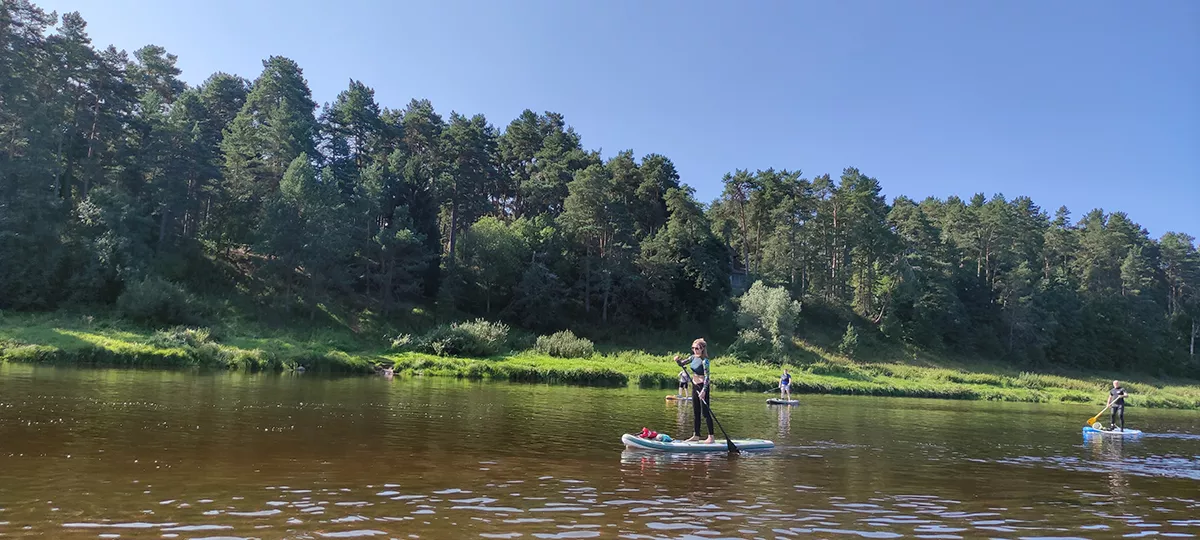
1093 419
732 447
773 389
705 401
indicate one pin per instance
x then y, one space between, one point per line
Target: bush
771 312
154 300
212 355
180 337
489 338
403 342
473 338
751 345
849 344
565 344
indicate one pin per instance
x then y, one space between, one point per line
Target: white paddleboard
718 445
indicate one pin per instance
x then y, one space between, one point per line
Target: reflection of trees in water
1109 453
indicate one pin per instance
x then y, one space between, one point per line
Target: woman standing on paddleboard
698 362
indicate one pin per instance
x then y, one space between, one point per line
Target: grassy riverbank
59 339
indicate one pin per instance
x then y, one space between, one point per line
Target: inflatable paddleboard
777 401
1089 430
718 445
673 397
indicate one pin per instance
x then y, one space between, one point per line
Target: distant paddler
683 382
1116 399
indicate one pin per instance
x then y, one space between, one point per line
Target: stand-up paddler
701 393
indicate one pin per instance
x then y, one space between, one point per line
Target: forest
121 186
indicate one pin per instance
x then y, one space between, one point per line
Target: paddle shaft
1097 417
704 401
732 447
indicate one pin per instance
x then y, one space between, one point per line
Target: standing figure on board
1116 398
785 386
698 362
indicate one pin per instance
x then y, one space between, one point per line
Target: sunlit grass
69 339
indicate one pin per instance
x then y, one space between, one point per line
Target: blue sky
1088 104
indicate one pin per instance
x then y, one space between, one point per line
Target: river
89 453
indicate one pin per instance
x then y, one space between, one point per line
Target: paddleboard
677 398
777 401
1089 430
718 445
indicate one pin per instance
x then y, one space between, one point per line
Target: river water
154 454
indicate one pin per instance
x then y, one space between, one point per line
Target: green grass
61 339
107 341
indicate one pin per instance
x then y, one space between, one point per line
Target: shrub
488 338
849 344
211 354
154 300
565 344
771 312
403 342
180 337
472 338
751 345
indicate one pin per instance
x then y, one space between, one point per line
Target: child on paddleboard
698 362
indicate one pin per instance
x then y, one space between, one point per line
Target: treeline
120 184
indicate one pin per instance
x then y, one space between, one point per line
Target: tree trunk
758 248
312 313
162 227
61 167
587 282
453 235
386 290
607 291
91 145
1012 326
1195 330
834 268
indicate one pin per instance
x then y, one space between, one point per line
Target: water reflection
785 421
85 454
1107 454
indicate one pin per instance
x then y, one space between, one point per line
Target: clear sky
1088 104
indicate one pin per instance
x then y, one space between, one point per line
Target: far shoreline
28 340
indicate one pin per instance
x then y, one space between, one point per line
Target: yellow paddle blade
1092 420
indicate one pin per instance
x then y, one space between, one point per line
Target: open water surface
153 454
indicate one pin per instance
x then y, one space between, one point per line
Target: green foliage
180 336
565 344
154 300
849 344
476 339
767 318
751 344
116 173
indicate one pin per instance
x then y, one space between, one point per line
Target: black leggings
1118 410
699 405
